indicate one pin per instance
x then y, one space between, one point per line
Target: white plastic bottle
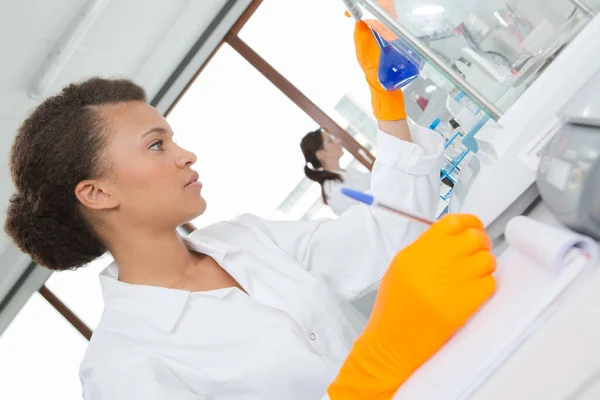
465 112
441 128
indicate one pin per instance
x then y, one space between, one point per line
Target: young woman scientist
246 309
322 152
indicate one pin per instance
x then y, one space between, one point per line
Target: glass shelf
488 50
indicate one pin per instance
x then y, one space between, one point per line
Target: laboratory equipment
425 101
563 154
552 59
454 152
442 129
458 135
503 46
568 175
370 200
465 112
395 70
503 173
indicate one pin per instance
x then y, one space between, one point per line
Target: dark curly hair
59 145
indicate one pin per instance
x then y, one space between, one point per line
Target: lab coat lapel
274 286
263 271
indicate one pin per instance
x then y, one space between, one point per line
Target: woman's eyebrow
156 130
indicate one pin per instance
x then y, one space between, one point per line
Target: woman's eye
157 146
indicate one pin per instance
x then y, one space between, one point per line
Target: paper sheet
527 290
547 245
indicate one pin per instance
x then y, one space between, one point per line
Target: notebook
533 274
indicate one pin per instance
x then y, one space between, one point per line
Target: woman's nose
186 158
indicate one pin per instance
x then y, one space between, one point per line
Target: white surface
563 353
527 290
289 337
532 153
66 47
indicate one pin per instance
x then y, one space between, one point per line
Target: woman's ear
320 154
94 194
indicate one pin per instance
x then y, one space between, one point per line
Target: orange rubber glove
430 290
387 106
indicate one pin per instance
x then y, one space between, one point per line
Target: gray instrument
568 176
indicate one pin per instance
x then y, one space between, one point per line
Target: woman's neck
154 259
332 166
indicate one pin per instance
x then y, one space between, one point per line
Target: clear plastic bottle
465 112
444 131
450 148
456 141
452 153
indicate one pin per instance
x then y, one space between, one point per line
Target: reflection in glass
499 47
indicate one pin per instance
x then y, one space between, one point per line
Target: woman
241 309
322 152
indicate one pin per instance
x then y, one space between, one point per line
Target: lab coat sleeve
332 190
353 179
352 252
136 379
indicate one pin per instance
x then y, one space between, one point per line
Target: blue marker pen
370 200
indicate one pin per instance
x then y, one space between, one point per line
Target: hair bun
39 230
28 203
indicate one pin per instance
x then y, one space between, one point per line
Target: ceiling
145 40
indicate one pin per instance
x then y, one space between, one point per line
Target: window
246 134
312 45
40 353
80 290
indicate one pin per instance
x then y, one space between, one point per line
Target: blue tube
358 196
469 139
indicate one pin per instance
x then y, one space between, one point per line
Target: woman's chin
201 208
195 210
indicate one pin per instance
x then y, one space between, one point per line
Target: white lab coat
353 179
286 338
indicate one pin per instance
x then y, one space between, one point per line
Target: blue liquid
398 65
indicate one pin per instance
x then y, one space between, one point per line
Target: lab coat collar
203 242
158 306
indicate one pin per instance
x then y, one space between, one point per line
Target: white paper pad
532 274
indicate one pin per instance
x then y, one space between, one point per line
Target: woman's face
332 147
150 177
